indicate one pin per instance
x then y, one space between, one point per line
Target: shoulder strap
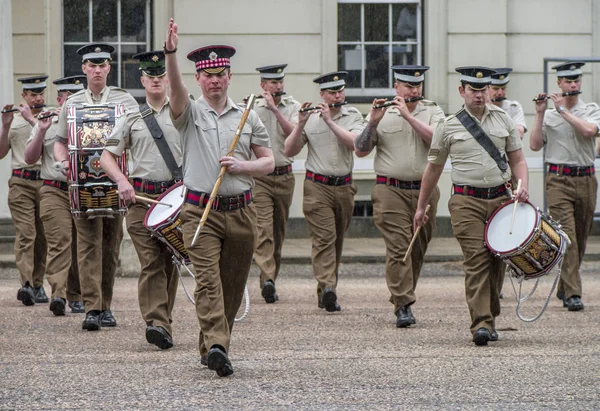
161 143
483 139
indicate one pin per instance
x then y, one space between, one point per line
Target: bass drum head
498 237
158 213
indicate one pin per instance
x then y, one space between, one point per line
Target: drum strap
160 141
483 139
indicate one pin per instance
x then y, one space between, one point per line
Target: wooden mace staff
236 138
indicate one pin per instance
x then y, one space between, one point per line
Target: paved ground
291 355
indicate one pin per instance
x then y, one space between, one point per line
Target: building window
374 35
124 24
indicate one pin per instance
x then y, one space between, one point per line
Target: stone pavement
292 355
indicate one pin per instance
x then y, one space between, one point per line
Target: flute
12 110
302 110
567 94
498 99
389 103
276 94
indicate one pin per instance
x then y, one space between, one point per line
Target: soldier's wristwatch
560 109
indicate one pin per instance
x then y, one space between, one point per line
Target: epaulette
591 105
428 103
76 94
353 110
117 89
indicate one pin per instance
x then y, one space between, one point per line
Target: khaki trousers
222 256
157 284
328 211
61 261
30 242
98 242
393 212
572 202
272 199
482 269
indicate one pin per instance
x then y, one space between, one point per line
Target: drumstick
512 221
149 200
412 242
215 190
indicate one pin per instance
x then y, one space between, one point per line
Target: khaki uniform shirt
327 155
400 152
563 144
48 171
289 108
107 95
146 160
18 135
206 138
515 111
471 164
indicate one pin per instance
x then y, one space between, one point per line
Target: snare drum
92 192
535 245
165 223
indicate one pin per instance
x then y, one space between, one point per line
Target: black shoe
269 293
77 307
482 336
574 303
107 319
329 301
405 317
204 360
26 295
92 321
40 295
57 306
494 335
159 337
218 361
501 295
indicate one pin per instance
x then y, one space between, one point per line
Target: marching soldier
329 130
98 239
401 135
23 190
513 108
61 260
479 176
155 149
273 193
568 132
222 254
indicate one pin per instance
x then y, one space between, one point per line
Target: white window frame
117 45
370 92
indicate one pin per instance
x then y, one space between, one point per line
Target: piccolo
570 93
276 94
302 110
48 115
498 99
12 110
389 103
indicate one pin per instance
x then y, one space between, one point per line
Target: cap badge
37 81
155 58
417 73
279 70
213 56
502 77
479 74
335 78
77 82
572 67
97 50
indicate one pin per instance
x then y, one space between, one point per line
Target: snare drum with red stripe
164 222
